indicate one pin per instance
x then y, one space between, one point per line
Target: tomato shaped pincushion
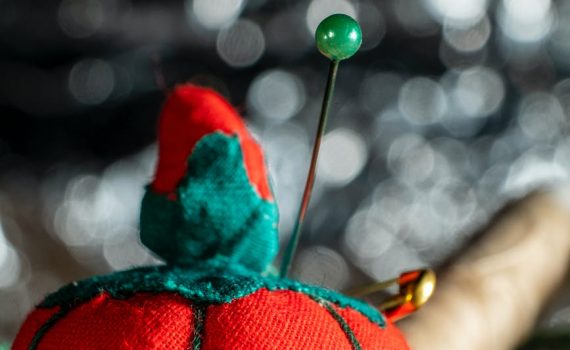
210 215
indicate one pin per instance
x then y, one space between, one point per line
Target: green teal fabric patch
211 283
217 214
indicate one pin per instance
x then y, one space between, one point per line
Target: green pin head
338 37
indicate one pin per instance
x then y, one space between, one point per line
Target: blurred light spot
562 92
400 257
10 270
373 25
455 59
423 229
453 202
541 117
532 170
97 210
343 155
491 183
276 95
478 92
287 152
127 253
411 158
501 151
10 265
560 319
76 219
242 44
91 81
367 238
562 154
387 126
320 9
422 101
525 20
378 91
322 266
292 42
463 12
391 203
453 150
414 17
479 152
459 126
560 37
4 247
80 18
467 38
214 14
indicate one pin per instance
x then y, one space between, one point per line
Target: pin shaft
327 99
372 288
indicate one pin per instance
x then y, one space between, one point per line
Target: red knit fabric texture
288 320
190 113
30 327
369 335
145 321
264 320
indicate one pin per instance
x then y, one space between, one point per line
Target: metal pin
415 289
338 37
292 246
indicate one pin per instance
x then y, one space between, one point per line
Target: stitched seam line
46 327
199 317
344 325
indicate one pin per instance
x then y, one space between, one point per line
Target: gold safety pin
415 289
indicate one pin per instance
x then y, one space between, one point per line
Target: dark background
450 108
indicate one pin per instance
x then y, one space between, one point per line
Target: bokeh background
451 108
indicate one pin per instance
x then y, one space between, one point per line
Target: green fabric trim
47 326
215 282
199 317
217 215
345 327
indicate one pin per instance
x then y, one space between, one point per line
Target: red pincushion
217 304
265 320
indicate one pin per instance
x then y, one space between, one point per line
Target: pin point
415 289
338 37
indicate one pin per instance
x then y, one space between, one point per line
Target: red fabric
264 320
287 320
144 321
28 330
369 335
189 114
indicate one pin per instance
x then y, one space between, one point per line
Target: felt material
281 320
205 284
369 335
217 213
31 326
343 324
144 321
189 113
263 320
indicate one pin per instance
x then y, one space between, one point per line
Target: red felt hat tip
190 113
